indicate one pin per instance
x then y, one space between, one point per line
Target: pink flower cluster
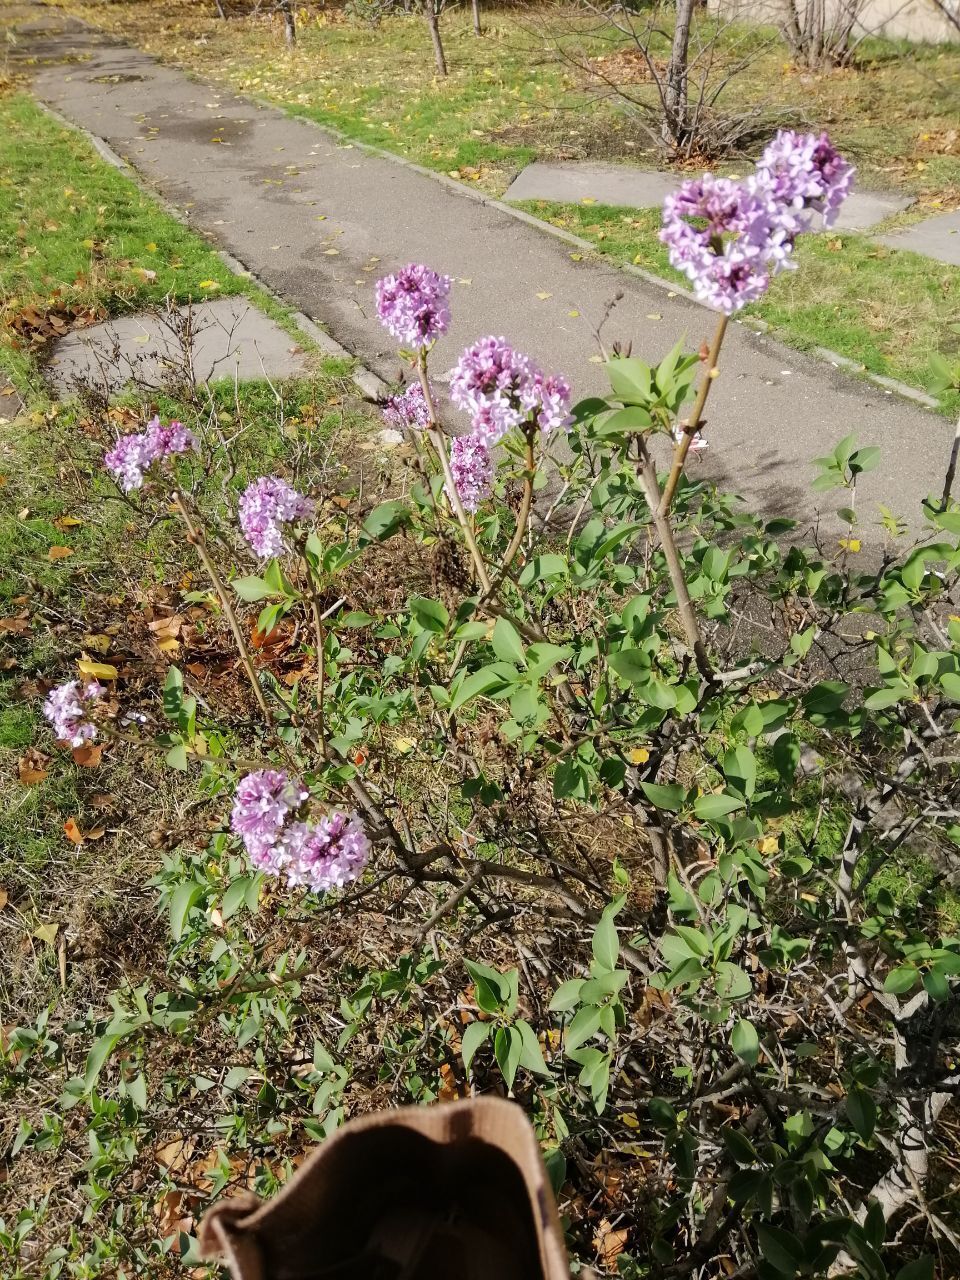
502 388
64 708
324 855
730 237
133 455
407 409
265 507
414 305
471 469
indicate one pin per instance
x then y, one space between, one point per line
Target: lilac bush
407 409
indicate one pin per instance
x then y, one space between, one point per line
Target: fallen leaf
99 670
72 831
209 284
4 897
573 314
98 642
67 522
47 932
88 756
59 553
639 755
32 767
609 1244
544 296
16 626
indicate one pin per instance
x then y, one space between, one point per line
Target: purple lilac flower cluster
324 855
502 388
471 469
414 305
407 409
265 507
730 237
802 172
133 455
64 708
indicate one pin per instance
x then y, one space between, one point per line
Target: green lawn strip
885 309
75 230
54 492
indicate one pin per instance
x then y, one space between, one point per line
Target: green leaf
732 982
566 996
781 1249
936 985
531 1056
473 1038
710 807
431 614
252 588
97 1058
176 757
476 683
631 380
901 980
605 943
507 1048
137 1091
584 1025
786 755
540 567
182 900
173 693
386 520
745 1042
919 1269
861 1112
631 665
234 896
507 644
670 798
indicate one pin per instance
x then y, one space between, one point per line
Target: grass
510 98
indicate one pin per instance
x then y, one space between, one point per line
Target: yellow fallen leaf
99 670
98 642
769 844
576 257
573 314
59 553
332 253
544 296
639 755
404 745
209 284
588 200
151 247
47 932
67 522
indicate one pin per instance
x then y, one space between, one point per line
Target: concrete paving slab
771 412
937 237
227 338
628 187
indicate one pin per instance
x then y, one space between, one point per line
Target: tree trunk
675 104
289 23
477 29
434 25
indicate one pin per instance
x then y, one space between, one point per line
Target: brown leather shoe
455 1191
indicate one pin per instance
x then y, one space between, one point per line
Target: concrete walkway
319 221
